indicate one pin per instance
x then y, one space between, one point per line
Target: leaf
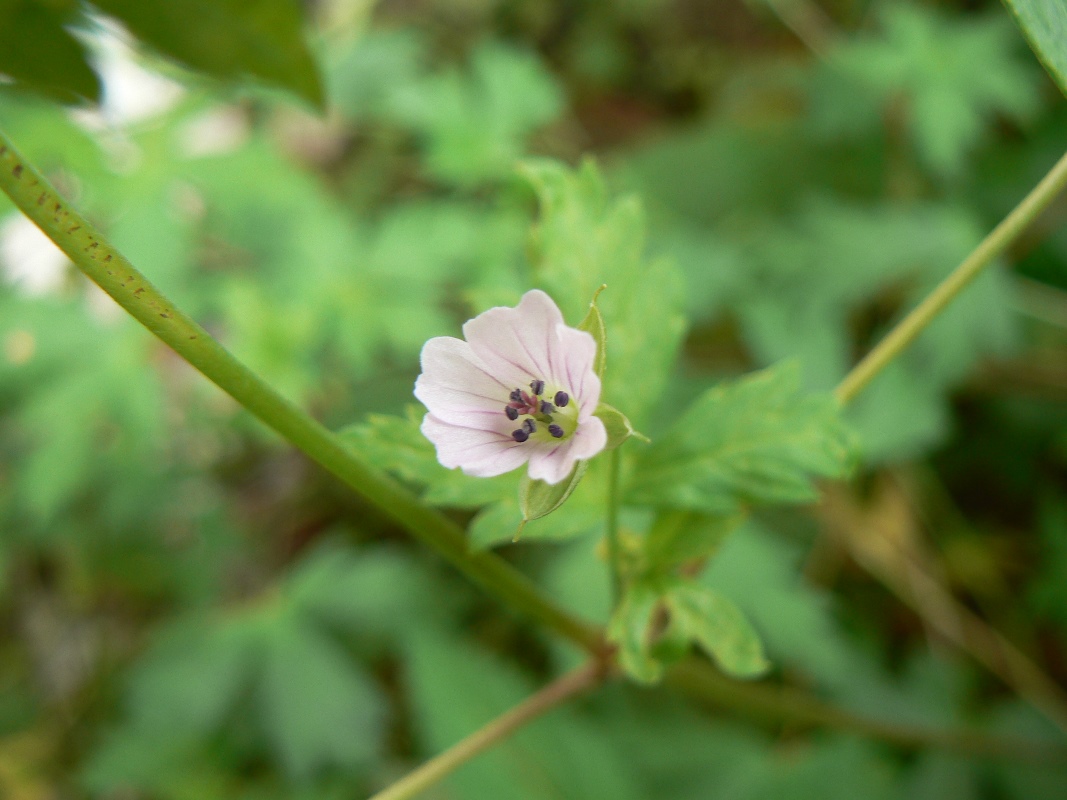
188 683
583 240
228 39
475 122
630 630
681 537
718 627
755 440
319 710
929 59
1045 24
28 30
538 499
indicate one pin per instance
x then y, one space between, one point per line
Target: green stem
113 273
785 705
909 328
612 527
443 765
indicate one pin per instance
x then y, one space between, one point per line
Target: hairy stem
441 766
909 328
113 273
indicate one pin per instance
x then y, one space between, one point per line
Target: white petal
553 464
590 438
518 344
456 386
577 357
482 453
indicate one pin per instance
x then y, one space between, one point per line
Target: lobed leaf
759 439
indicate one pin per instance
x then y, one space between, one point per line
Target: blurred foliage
190 611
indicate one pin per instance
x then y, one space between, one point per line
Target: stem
909 328
612 526
785 704
439 767
113 273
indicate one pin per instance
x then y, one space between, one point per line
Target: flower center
541 419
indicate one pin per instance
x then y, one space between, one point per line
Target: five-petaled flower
521 389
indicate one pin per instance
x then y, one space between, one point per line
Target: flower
521 389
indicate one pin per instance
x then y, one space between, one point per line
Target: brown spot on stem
165 316
17 171
73 228
138 290
42 198
108 258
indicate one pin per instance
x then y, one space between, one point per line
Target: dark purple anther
515 396
556 431
512 412
529 425
537 386
520 435
547 407
561 399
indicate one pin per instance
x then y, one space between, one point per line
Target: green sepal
594 324
539 499
617 425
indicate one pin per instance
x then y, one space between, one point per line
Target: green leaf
1045 24
539 499
630 630
38 52
319 710
583 240
759 439
718 627
678 537
188 683
228 39
475 122
928 58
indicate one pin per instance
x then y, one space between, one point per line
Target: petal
456 386
577 358
477 452
518 344
554 463
590 438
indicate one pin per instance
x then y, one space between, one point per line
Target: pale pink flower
521 389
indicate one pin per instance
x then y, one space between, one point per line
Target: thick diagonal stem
113 273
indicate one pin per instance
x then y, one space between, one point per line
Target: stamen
547 407
537 386
515 396
520 435
512 412
529 425
556 431
561 399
